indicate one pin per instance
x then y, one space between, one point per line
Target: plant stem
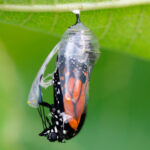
72 6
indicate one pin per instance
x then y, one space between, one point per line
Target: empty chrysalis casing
77 52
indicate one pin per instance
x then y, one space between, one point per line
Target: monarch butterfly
77 52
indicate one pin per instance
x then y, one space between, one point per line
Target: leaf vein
27 19
138 25
54 22
107 26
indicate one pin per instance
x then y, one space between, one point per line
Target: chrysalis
77 52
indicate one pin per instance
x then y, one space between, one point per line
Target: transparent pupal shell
78 40
79 51
35 95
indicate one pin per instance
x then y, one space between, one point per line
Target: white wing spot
52 130
55 128
64 131
58 91
58 111
57 123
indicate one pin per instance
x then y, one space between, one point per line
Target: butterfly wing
74 84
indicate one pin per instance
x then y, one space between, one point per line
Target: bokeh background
118 107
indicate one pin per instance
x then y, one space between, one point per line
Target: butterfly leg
45 104
50 106
45 120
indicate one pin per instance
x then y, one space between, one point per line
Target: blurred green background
118 107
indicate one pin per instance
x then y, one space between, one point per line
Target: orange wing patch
70 84
76 91
74 100
81 102
68 105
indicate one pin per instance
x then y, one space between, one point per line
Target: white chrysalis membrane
35 93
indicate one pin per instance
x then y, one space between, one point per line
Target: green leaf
10 93
118 107
119 25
